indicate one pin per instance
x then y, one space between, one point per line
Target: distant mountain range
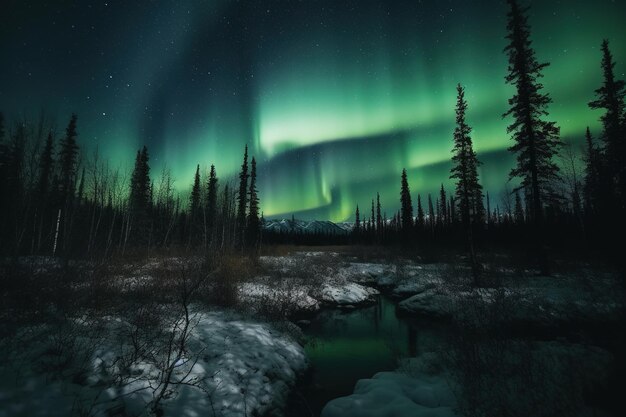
308 227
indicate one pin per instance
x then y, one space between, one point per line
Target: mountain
306 227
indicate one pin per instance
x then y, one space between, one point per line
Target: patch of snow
296 296
397 394
347 293
407 288
430 303
367 273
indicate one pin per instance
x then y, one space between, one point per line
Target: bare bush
223 288
290 287
500 375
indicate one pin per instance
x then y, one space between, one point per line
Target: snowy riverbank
232 367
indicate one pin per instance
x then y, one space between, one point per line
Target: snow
305 227
367 273
293 263
429 303
232 366
310 279
414 279
237 367
294 297
438 291
297 297
348 294
420 393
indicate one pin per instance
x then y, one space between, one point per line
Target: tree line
552 197
57 201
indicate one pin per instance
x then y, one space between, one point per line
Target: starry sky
333 97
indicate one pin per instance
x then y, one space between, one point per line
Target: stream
345 346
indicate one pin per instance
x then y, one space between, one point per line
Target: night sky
333 97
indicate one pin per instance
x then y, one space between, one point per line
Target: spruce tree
489 218
242 199
452 210
140 201
14 170
13 201
527 205
212 200
46 164
519 210
253 227
406 207
145 179
135 190
479 208
610 98
465 166
194 197
68 156
357 220
438 215
431 213
420 212
536 140
226 216
195 209
372 216
443 201
465 172
592 181
379 219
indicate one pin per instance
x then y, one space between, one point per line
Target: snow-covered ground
376 274
294 298
308 279
232 367
426 387
238 367
422 392
439 290
545 301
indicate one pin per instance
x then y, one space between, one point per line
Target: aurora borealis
333 97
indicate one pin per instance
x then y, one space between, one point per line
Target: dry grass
499 374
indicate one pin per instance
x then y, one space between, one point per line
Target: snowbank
397 394
429 303
347 294
232 367
414 279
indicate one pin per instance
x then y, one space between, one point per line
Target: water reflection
345 346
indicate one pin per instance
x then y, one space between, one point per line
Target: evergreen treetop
536 140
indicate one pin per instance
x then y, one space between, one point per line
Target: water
345 346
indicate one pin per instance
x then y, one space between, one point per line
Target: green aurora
333 98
